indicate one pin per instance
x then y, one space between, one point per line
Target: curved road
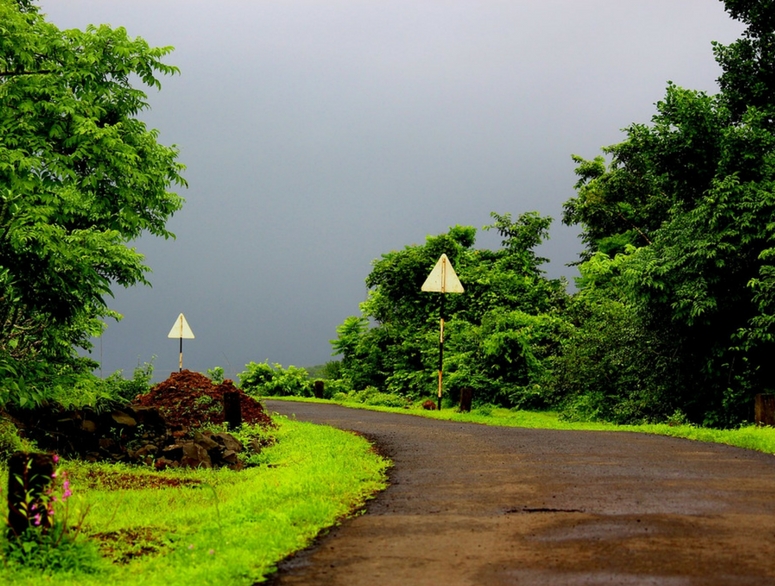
469 504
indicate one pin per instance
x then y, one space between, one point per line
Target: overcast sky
319 135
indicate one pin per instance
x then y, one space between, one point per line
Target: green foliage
85 389
500 334
218 527
53 552
371 396
52 541
335 386
10 440
689 200
80 177
612 367
332 370
262 379
216 374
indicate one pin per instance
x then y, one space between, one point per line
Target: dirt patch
189 400
124 545
107 480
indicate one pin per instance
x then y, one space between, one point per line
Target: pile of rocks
159 429
206 450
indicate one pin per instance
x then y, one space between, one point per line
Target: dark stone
173 452
255 446
164 463
207 442
106 443
229 456
228 441
319 389
466 397
29 475
764 409
146 450
123 418
232 409
195 456
150 418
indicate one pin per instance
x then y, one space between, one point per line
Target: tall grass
229 529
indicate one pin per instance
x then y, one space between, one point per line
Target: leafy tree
498 333
80 177
694 191
612 367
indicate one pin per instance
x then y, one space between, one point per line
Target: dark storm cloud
319 135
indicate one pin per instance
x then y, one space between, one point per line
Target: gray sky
320 135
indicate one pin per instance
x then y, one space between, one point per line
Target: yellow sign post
442 279
181 329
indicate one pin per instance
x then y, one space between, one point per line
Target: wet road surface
470 504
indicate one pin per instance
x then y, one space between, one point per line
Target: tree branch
19 73
638 230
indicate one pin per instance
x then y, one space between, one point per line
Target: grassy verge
751 437
217 527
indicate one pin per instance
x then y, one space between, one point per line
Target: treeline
675 311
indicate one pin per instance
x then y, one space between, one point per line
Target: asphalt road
470 504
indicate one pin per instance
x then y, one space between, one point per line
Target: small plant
677 418
216 374
485 409
40 535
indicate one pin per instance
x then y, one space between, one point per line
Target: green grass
761 439
231 527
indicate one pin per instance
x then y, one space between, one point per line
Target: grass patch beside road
217 526
761 439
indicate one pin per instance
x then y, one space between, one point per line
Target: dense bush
112 391
262 379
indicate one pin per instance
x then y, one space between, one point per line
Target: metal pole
180 362
441 349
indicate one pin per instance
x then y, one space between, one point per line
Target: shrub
261 379
372 396
216 374
10 441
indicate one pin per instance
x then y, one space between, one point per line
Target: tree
694 192
80 177
499 333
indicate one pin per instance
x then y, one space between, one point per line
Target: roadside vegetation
751 437
138 526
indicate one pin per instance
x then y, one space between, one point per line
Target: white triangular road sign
181 329
443 278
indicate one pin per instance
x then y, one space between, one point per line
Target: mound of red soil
188 400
